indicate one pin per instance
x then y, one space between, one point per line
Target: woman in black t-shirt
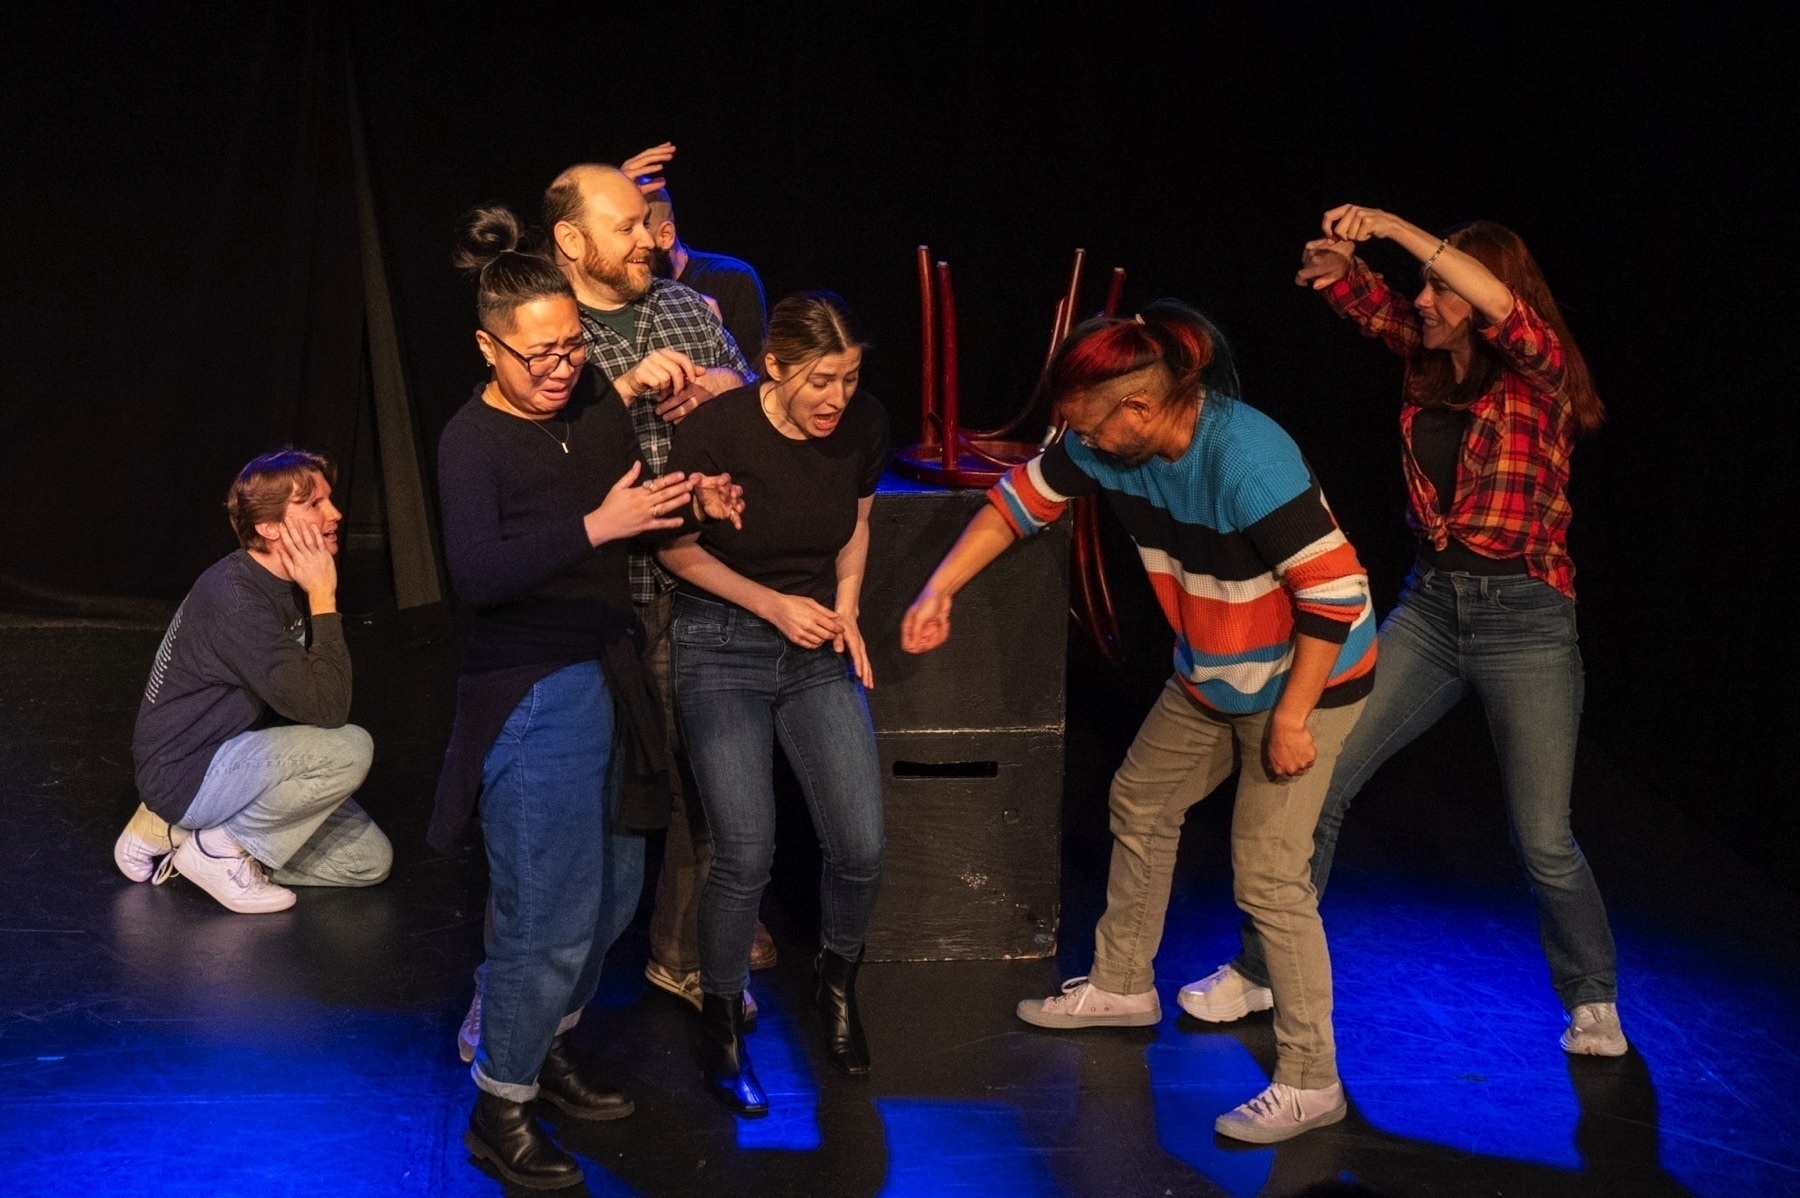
766 647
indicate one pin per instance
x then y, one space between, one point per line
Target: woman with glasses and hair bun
539 483
767 648
1495 396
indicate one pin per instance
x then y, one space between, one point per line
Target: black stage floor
159 1045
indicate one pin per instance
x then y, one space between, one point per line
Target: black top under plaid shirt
670 316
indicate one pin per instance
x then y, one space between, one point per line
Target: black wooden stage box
971 738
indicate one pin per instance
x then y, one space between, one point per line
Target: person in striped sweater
1274 653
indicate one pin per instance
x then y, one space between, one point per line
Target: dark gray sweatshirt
237 656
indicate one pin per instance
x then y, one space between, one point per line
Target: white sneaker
1082 1004
1224 995
686 986
1282 1112
236 879
145 838
1594 1031
469 1034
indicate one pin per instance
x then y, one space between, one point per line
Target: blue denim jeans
563 880
740 686
284 795
1512 642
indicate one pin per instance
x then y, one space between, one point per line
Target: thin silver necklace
562 442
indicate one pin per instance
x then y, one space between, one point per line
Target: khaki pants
1181 754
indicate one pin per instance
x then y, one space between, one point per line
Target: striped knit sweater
1241 550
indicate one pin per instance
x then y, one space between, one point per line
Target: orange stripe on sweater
1333 564
1041 506
1216 627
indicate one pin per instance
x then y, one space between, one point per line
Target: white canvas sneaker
145 838
469 1034
1224 995
1282 1112
686 986
235 878
1083 1004
1594 1031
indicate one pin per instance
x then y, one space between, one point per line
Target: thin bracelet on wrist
1441 246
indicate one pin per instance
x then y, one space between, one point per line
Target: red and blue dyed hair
1167 333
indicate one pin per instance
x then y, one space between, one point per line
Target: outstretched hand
642 167
630 510
927 622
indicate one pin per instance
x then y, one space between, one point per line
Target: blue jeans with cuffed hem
1511 641
563 878
739 687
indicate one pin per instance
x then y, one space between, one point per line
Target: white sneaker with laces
1594 1031
145 838
1282 1112
469 1034
1083 1004
235 878
685 986
1224 995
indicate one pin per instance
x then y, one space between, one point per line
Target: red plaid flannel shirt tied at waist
1513 475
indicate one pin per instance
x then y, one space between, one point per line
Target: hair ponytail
1167 333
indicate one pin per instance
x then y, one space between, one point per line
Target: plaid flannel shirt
1512 479
675 317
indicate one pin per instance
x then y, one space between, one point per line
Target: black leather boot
504 1135
835 996
725 1058
561 1085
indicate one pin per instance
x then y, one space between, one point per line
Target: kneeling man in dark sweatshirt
244 759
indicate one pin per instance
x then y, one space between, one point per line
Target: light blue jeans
563 879
284 795
739 686
1511 641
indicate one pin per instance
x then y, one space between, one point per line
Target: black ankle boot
835 996
561 1085
503 1134
725 1058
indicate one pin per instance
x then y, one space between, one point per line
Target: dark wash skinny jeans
1511 640
739 687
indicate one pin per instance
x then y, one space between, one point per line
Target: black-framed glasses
542 365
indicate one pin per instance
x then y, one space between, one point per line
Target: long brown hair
1433 382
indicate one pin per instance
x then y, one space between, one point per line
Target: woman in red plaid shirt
1495 395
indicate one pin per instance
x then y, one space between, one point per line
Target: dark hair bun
487 232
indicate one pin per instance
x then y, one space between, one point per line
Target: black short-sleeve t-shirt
799 496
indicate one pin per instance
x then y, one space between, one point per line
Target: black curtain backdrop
182 284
